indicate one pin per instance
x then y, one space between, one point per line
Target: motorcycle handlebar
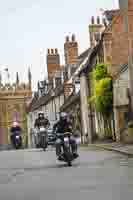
61 134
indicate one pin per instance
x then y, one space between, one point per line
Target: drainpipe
130 67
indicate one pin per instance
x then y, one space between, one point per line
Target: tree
100 72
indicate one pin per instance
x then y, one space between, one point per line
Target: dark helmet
40 114
63 116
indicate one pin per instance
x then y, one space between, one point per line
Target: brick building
116 47
117 35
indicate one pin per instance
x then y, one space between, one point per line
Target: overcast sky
30 26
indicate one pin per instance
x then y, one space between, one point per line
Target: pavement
119 148
37 175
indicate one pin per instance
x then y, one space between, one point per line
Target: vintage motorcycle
36 138
17 140
43 138
66 148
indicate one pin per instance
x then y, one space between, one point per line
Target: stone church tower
13 104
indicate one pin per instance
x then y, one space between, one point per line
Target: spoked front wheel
44 148
69 163
69 158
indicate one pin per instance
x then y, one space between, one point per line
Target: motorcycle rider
41 121
62 126
15 127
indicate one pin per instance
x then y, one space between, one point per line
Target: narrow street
36 175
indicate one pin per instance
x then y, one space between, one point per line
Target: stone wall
120 90
121 102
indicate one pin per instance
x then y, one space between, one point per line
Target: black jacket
62 126
14 129
41 122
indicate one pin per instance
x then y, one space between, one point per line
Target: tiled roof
81 65
36 103
87 63
84 54
111 13
70 100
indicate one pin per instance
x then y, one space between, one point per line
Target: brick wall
119 52
130 19
130 4
121 30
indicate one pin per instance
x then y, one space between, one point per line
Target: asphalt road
36 175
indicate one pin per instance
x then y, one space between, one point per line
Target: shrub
130 124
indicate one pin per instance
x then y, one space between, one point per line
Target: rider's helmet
40 114
15 124
63 116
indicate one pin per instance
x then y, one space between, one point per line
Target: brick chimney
71 50
95 29
68 89
53 62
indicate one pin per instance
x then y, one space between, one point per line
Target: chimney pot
52 51
56 51
92 20
67 38
104 22
73 38
48 51
98 20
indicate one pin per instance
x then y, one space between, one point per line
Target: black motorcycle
16 140
66 148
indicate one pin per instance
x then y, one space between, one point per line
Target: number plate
42 129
